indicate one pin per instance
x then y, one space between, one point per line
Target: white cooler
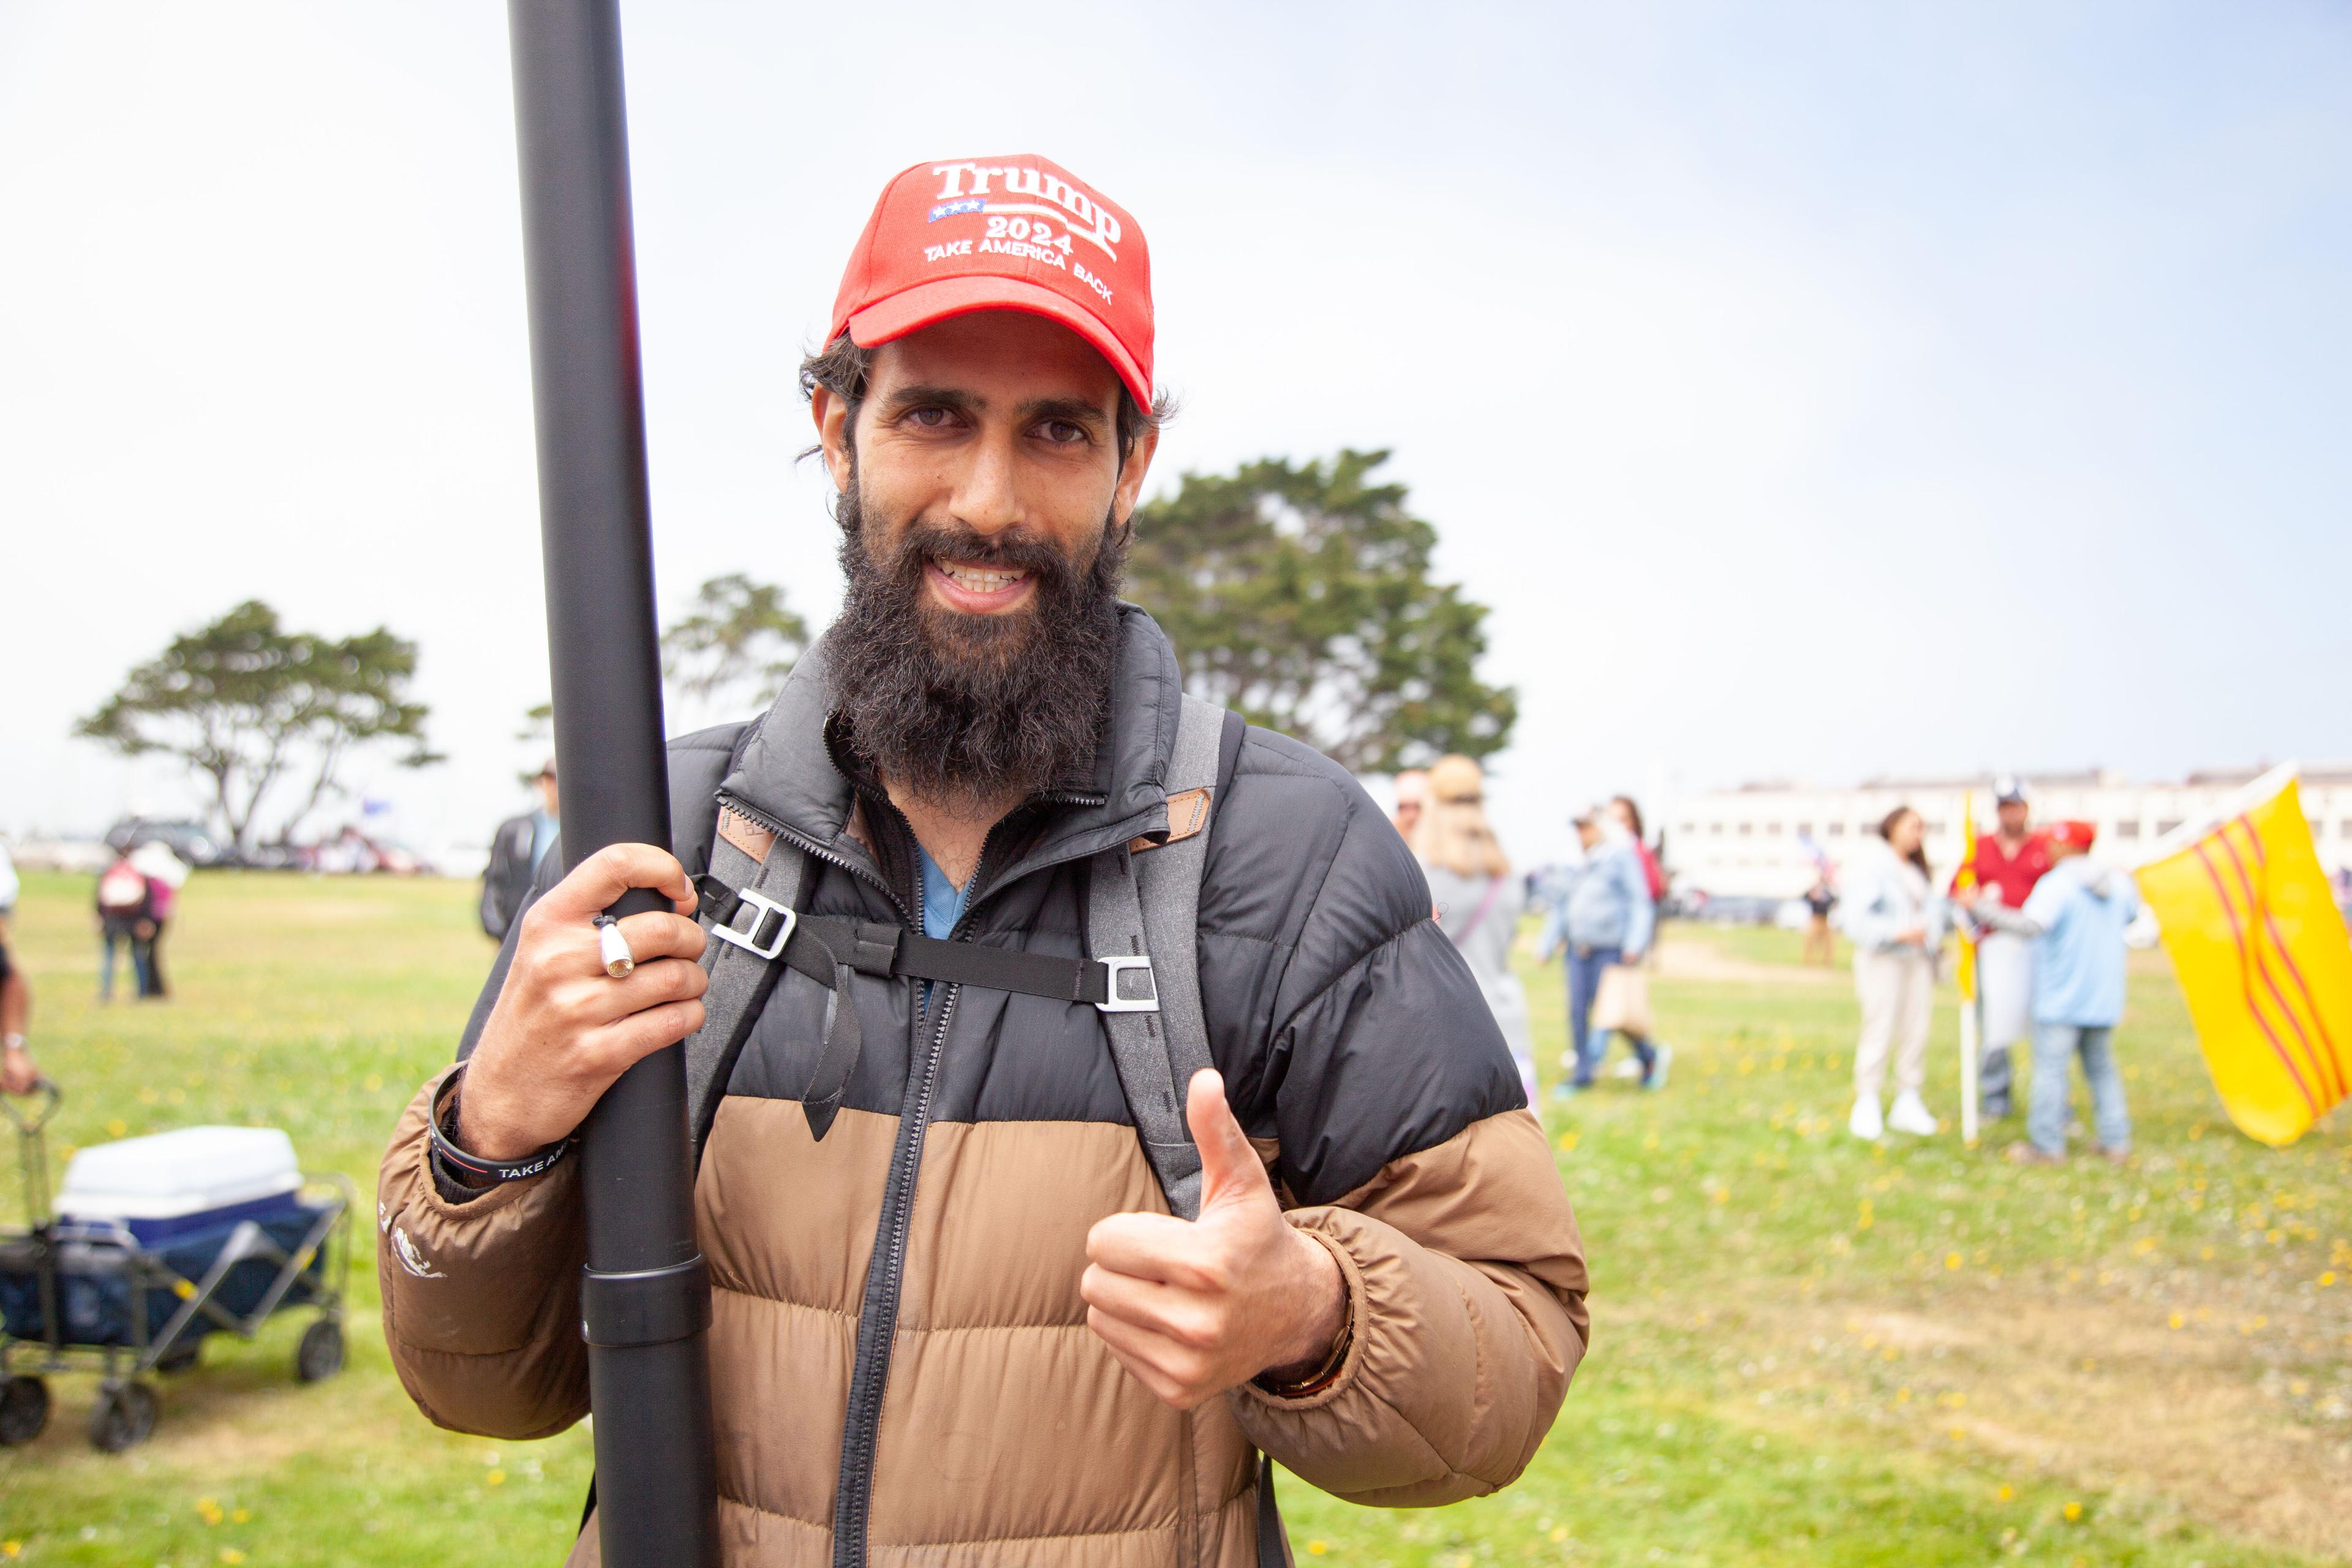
174 1184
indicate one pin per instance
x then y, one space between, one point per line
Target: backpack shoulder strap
1145 904
750 859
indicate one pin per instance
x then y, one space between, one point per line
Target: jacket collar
788 776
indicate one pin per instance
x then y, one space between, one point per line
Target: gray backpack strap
753 862
1146 903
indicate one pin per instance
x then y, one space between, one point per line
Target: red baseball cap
2074 833
1015 232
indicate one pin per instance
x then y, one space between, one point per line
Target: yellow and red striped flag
2260 952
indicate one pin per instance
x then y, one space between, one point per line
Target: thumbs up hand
1193 1308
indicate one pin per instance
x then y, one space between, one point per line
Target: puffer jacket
900 1349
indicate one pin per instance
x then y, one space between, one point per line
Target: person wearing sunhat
960 1312
2009 862
2075 918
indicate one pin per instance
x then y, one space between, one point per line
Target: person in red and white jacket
2008 864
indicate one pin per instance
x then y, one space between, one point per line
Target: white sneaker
1910 1115
1864 1124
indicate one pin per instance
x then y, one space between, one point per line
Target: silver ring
613 948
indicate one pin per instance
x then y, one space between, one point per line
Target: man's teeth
980 580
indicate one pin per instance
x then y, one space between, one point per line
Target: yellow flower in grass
1317 1548
2005 1493
2073 1512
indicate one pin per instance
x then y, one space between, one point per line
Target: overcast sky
1812 391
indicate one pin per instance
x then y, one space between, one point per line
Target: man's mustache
1013 548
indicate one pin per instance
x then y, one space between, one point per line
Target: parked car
1736 910
191 841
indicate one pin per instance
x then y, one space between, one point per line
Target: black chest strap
819 946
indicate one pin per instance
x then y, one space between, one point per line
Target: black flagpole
645 1296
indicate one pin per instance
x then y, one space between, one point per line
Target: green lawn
1805 1349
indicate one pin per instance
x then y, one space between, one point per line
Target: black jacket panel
1346 1026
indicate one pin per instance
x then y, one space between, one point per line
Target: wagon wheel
23 1410
321 1354
123 1419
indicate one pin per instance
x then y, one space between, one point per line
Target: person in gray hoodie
1477 899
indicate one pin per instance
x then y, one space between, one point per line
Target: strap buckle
1113 1001
748 941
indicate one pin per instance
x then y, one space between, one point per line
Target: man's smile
977 590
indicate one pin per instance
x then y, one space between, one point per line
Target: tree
738 641
245 703
1299 595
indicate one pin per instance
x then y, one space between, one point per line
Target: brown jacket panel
1466 1284
752 1539
481 1302
781 1215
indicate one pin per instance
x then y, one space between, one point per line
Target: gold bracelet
1323 1376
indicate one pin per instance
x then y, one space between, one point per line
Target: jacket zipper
810 847
877 1315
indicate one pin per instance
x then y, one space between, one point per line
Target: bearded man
955 1315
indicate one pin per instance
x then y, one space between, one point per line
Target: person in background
1895 921
1628 815
1479 900
17 1072
1411 796
2075 917
1602 915
126 918
1821 942
2008 864
166 874
516 850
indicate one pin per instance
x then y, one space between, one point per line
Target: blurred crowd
2046 926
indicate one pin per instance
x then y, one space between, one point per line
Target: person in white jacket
1890 911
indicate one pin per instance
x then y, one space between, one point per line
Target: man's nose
988 500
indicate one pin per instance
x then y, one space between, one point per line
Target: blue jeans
1584 967
140 975
2056 1046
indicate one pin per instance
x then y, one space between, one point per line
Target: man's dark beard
962 708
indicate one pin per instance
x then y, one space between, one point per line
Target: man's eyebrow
934 396
1077 410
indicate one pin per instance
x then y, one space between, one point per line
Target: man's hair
842 368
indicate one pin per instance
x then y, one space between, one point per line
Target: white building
1753 841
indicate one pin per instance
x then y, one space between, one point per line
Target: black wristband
477 1166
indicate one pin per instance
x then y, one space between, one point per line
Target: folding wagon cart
157 1242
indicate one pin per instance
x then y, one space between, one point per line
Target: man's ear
833 436
1132 475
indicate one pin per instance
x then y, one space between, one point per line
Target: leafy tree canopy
1300 595
245 703
737 643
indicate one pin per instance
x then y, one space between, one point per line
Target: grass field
1805 1349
